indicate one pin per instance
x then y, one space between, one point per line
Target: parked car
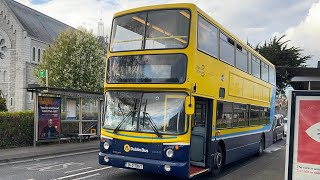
278 128
285 122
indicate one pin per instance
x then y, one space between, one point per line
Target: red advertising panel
309 132
303 143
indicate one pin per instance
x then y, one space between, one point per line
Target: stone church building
24 35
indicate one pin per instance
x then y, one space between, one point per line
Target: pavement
21 153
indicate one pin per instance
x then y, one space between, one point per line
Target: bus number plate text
134 165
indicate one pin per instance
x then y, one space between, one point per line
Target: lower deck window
233 115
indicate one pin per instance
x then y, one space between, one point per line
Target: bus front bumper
178 169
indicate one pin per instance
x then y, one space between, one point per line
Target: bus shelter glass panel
70 108
90 109
89 127
69 128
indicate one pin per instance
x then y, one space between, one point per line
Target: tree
3 104
75 60
281 55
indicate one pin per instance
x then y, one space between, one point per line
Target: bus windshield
143 112
159 29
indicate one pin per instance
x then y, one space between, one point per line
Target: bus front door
200 132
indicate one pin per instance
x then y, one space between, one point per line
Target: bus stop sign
42 73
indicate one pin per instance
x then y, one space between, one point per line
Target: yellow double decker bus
183 96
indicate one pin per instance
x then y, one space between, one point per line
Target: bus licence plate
134 165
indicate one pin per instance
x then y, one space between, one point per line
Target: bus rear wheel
218 161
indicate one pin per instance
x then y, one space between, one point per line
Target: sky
252 20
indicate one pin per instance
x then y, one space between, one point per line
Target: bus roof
160 6
193 7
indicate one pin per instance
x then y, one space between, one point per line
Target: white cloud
307 34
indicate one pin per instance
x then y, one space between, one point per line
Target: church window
39 54
4 75
33 54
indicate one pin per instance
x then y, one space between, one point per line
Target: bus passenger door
200 133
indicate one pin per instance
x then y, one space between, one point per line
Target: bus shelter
65 114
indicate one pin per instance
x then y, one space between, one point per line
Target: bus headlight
106 145
169 153
167 167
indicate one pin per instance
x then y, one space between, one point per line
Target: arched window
39 55
4 75
33 54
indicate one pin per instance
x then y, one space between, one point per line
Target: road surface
85 166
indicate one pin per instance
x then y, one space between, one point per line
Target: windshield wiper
125 118
153 125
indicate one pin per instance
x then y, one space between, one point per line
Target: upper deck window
264 72
207 37
227 49
149 69
242 58
255 65
159 29
272 74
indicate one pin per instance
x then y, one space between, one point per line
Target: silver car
278 127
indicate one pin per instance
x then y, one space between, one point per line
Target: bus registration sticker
134 165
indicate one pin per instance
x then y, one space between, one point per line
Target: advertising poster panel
303 157
49 109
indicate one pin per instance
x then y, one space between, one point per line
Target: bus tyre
218 161
261 146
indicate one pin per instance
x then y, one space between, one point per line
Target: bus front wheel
218 161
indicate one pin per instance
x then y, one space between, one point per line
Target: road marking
58 167
49 157
73 175
77 170
85 177
49 166
31 166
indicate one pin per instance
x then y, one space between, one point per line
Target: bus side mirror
189 106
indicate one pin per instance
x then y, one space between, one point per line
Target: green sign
42 73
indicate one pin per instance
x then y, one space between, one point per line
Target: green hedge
16 129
